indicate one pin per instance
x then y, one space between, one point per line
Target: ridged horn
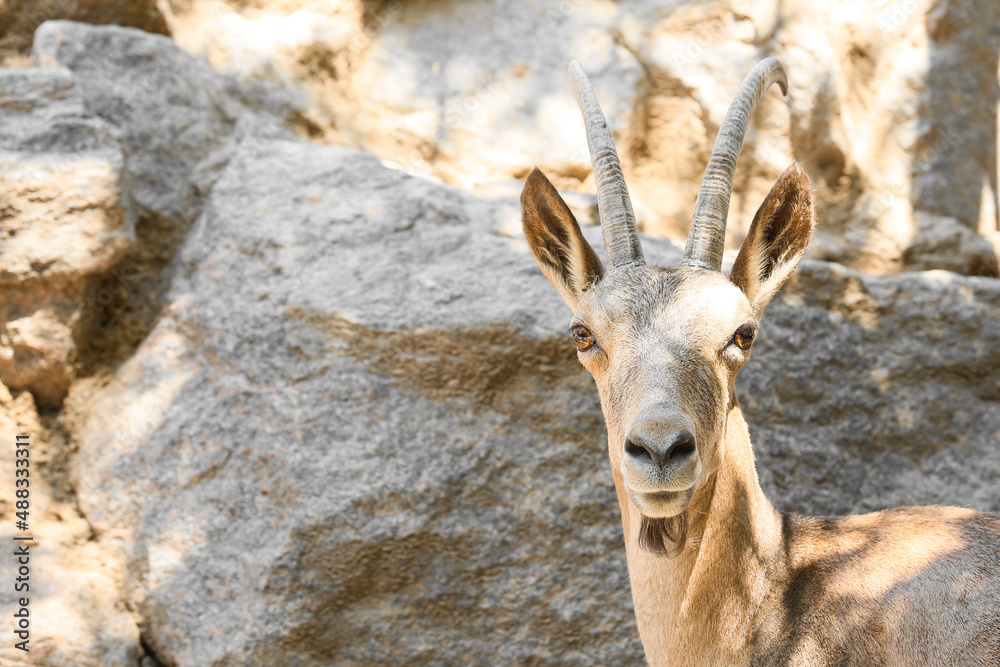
621 240
707 236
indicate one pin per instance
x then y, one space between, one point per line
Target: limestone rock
942 242
113 127
67 219
38 354
176 119
321 303
20 18
473 99
956 171
77 609
359 434
60 164
891 110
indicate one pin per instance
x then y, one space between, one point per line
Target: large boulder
892 106
339 445
358 434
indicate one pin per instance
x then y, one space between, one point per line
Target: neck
702 601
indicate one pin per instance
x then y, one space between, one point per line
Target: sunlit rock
20 18
892 108
176 119
77 611
67 219
359 432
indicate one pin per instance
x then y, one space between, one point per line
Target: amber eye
744 336
582 337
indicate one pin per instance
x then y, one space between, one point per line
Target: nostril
682 448
637 450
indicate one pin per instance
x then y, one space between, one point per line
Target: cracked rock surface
359 429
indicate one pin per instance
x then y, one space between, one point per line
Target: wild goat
719 577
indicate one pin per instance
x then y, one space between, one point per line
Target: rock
899 147
956 165
54 150
20 18
115 127
39 352
320 304
176 119
870 392
476 93
77 610
67 220
475 105
945 243
359 435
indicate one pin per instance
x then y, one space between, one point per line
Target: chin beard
663 537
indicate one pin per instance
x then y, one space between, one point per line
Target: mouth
656 504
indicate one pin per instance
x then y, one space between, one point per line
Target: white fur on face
706 312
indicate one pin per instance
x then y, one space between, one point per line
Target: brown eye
582 337
744 336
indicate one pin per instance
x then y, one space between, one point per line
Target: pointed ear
777 238
554 236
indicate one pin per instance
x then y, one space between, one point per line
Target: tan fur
745 584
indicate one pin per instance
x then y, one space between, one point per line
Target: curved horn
707 236
621 241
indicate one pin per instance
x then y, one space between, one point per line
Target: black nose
673 450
